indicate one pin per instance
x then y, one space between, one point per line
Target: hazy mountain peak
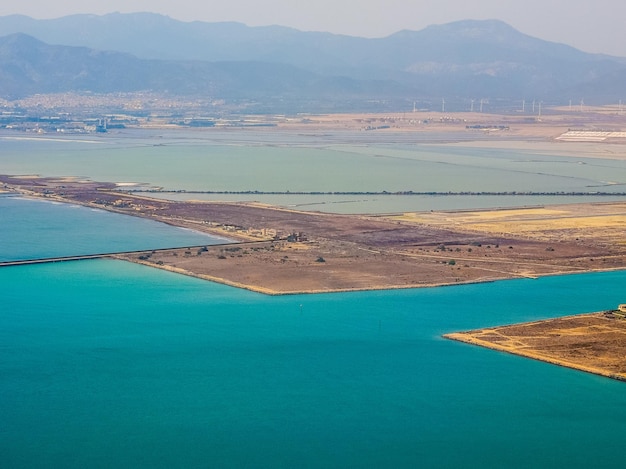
472 27
467 59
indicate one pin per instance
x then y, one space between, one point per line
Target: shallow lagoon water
244 160
382 204
110 364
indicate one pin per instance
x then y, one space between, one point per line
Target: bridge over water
81 257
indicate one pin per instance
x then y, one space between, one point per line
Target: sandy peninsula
288 251
594 343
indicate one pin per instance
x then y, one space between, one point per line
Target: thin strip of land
304 252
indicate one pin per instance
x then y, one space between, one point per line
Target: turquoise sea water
109 364
32 229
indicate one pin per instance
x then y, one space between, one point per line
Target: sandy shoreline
593 342
274 292
340 253
415 250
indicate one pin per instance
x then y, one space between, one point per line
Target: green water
367 204
108 364
281 161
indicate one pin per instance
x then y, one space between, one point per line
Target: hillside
461 61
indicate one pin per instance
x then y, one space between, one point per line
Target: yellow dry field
530 226
610 217
479 216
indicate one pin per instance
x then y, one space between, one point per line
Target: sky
589 25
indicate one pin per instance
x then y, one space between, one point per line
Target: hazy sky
590 25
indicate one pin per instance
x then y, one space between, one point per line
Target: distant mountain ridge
29 66
466 59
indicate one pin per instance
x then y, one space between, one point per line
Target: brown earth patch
315 252
595 343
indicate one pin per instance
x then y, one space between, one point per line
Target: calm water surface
107 364
110 364
32 229
243 160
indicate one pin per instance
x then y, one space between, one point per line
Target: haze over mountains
457 62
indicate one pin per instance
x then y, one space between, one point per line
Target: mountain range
458 62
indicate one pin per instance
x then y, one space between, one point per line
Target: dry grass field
602 221
595 343
354 252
